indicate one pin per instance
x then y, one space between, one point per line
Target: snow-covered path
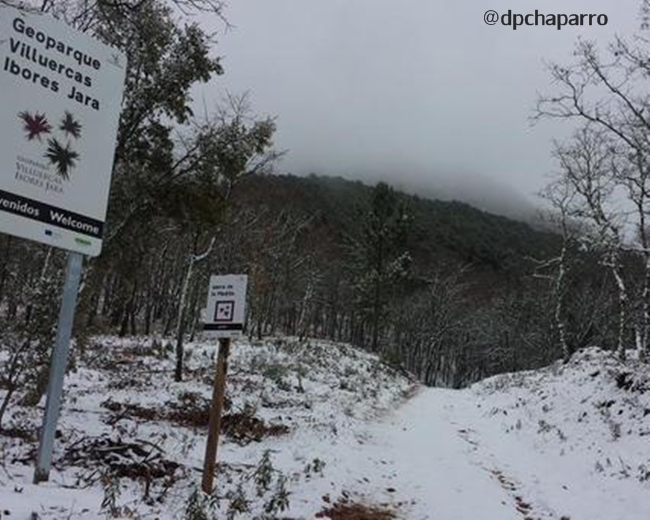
432 464
441 457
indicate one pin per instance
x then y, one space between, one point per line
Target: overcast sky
418 92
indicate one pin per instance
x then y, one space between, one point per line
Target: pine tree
382 261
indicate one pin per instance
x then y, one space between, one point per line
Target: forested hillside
440 288
452 230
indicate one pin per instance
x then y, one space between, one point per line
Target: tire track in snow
508 483
431 470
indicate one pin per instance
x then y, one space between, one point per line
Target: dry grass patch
346 509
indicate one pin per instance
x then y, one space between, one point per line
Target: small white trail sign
225 312
59 111
223 318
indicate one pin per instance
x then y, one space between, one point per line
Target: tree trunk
622 301
180 322
642 345
559 304
375 317
4 272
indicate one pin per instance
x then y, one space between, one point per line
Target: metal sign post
223 318
58 366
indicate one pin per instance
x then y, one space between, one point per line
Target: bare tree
560 193
588 165
193 259
609 92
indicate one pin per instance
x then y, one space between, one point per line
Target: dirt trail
422 463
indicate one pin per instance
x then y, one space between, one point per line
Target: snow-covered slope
594 405
134 440
575 436
319 430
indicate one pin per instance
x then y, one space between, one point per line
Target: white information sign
60 97
226 310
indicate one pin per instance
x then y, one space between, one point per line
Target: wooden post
216 410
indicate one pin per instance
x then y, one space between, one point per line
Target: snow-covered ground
314 424
573 440
134 440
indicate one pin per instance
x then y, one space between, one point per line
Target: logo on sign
224 311
59 152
